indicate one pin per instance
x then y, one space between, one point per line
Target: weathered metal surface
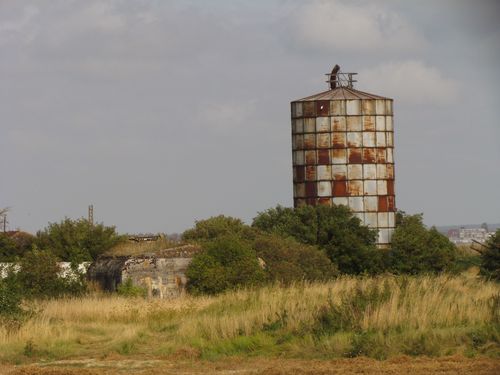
324 157
323 140
338 123
369 123
369 171
368 107
354 139
339 140
355 155
345 139
324 172
353 107
355 171
353 123
324 189
311 173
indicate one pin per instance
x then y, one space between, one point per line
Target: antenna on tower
91 215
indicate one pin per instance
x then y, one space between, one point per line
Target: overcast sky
161 113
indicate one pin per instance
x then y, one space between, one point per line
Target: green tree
40 276
490 258
76 240
346 241
217 226
287 260
225 263
8 248
416 249
15 245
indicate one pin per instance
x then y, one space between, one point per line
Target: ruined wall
162 273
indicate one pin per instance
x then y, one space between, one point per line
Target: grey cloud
161 113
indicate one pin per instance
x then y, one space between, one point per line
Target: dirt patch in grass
396 366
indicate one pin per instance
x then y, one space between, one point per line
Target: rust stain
311 189
382 204
323 107
368 107
338 124
339 172
391 203
355 187
339 155
338 140
369 155
381 155
390 187
325 201
310 157
355 155
323 140
339 189
353 123
323 156
311 173
309 108
299 174
309 141
390 171
369 123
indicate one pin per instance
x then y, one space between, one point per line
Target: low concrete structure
162 273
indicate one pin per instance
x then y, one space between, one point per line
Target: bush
416 249
8 248
490 258
39 277
346 241
12 314
128 289
287 260
225 263
216 227
76 240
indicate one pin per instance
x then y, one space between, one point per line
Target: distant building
468 235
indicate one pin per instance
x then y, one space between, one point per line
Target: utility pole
5 223
91 215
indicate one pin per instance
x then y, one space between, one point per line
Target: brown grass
433 315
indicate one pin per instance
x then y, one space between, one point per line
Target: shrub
225 263
8 248
287 260
416 249
346 241
12 314
76 240
39 276
217 226
128 289
490 258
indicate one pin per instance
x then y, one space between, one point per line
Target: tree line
281 245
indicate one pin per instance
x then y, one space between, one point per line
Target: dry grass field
383 318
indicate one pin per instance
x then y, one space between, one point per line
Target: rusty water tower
343 142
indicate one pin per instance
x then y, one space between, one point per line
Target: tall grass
377 317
